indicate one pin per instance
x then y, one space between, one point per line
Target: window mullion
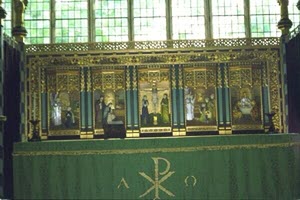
130 19
169 19
91 20
247 18
52 23
208 19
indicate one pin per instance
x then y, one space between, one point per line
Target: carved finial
285 23
19 31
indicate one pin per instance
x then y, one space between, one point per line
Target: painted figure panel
109 107
246 105
155 103
200 106
64 110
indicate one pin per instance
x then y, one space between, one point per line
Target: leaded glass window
37 21
149 20
188 19
228 19
67 21
111 20
7 20
264 17
71 21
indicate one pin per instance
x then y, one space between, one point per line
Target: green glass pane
71 23
266 28
65 31
99 31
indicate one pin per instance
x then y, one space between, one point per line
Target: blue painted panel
174 108
89 110
220 105
128 109
181 107
227 105
135 109
82 110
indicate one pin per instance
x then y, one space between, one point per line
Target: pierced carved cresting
152 45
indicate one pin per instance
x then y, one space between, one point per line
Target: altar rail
152 45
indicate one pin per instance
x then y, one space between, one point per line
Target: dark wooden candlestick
35 132
272 126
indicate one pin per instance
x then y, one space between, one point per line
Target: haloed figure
165 109
56 112
189 104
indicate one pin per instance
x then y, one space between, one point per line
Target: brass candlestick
35 131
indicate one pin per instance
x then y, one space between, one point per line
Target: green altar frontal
207 167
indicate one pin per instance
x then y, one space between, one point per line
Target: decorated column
19 30
285 23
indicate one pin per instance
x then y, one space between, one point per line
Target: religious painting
200 97
63 101
200 106
245 84
109 107
108 97
154 98
64 110
246 106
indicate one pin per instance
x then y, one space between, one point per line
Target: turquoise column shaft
220 106
128 110
82 110
135 109
174 107
181 107
227 106
44 109
89 110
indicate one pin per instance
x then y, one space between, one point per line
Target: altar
202 94
258 166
